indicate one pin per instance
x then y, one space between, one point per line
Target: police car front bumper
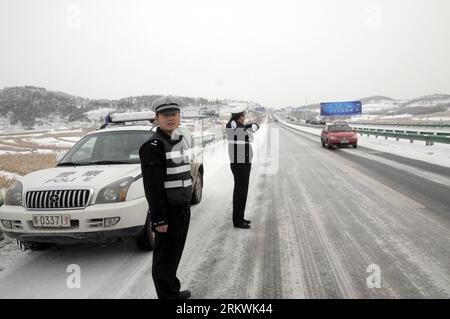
73 238
89 224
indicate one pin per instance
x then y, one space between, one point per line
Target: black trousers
241 173
167 253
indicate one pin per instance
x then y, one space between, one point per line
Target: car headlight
114 192
333 137
14 195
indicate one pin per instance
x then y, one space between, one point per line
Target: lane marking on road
381 185
374 182
403 167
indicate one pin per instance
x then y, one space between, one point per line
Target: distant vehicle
340 123
338 134
291 119
95 192
317 122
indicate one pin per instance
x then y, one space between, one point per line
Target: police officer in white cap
239 136
168 188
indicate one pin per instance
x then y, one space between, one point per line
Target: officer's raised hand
254 127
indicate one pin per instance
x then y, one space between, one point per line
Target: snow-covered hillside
428 100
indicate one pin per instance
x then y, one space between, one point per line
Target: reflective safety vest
239 138
178 179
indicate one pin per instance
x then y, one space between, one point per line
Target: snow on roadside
50 141
403 128
96 115
44 151
39 151
9 175
72 139
11 257
3 152
438 154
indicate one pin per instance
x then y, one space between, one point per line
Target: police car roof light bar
133 116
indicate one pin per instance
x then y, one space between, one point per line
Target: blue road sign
340 108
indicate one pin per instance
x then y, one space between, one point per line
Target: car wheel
198 189
35 246
355 146
323 143
329 146
146 240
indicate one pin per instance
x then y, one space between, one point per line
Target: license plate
51 221
344 142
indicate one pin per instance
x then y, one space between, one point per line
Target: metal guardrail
429 137
402 124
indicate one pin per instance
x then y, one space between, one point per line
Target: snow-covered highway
325 224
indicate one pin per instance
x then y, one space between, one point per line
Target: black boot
184 294
243 225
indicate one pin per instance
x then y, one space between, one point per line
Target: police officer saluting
168 188
239 136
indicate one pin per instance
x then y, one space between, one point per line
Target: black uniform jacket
239 138
153 165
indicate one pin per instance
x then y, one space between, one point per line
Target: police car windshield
339 128
120 147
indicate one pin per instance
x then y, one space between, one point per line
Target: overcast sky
277 53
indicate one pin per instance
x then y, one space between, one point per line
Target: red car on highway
338 134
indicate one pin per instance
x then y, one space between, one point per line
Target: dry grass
79 134
5 182
27 144
21 144
84 130
22 133
23 164
14 146
7 148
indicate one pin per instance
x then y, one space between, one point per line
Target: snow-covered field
41 138
96 115
50 141
73 139
40 142
9 175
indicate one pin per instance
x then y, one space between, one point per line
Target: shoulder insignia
154 142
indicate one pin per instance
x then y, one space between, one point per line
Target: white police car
95 192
